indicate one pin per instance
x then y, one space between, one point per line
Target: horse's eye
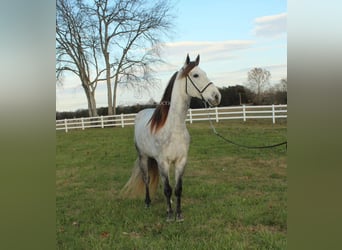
196 75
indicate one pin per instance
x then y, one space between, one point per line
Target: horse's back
143 117
141 126
144 141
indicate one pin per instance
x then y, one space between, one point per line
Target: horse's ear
189 65
187 61
197 60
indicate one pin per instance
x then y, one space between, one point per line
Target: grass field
233 198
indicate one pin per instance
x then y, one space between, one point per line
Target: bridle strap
193 84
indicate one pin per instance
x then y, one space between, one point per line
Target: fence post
101 117
190 113
216 114
82 122
122 120
66 125
244 112
273 114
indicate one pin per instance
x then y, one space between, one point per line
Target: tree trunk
114 93
93 104
259 94
91 101
109 86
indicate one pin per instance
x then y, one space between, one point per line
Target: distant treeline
231 96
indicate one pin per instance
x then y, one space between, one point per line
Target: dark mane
188 68
159 116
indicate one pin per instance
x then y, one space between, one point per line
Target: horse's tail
135 187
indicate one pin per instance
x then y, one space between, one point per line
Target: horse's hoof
179 218
169 217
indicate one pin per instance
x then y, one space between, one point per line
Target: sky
231 36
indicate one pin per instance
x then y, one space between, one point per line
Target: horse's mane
159 115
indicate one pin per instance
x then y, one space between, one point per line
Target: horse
162 139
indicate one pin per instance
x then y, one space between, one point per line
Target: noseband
194 84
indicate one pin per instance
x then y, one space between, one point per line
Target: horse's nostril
217 97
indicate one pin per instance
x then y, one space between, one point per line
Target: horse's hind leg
143 162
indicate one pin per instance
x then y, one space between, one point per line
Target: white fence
216 114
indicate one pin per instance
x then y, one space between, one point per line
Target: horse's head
197 84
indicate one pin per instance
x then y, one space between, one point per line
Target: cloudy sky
231 37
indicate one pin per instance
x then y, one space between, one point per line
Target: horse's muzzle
215 100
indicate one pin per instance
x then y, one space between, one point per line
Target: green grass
233 198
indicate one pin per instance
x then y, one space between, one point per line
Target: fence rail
217 114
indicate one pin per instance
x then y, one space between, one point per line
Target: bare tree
281 91
76 50
283 84
108 40
126 28
258 79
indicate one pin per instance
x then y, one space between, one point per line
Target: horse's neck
179 106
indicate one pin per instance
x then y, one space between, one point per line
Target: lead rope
237 144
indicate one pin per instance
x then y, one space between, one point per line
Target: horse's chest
177 145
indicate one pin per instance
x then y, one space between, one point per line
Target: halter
193 84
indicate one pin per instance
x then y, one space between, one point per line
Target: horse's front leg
164 172
178 193
179 168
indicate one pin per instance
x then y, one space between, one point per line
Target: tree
76 50
258 79
277 94
126 28
283 84
233 95
281 91
107 40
